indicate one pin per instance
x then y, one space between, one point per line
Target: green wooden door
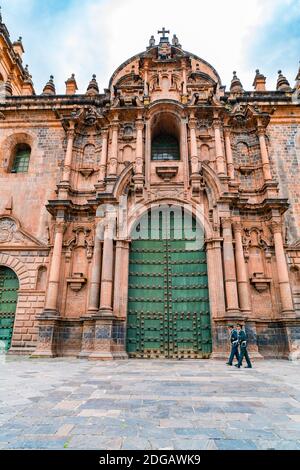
168 306
9 286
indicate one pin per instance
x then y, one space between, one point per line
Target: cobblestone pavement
145 404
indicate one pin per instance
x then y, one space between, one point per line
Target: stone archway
168 297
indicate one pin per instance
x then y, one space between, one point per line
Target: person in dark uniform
242 338
234 340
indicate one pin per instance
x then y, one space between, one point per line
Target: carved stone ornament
167 172
260 282
77 281
8 231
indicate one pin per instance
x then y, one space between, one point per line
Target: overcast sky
62 37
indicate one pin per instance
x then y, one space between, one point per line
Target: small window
165 147
21 159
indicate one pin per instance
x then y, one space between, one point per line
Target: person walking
234 340
242 338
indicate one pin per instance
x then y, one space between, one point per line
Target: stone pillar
69 153
107 270
87 341
94 293
216 297
194 148
184 82
184 151
121 278
113 161
219 148
264 153
229 269
282 269
103 161
215 278
241 269
230 165
138 178
54 275
146 80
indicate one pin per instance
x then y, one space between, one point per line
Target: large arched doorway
168 301
9 286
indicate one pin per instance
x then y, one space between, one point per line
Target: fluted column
103 160
107 269
94 292
219 148
229 157
54 275
69 153
282 269
229 268
241 270
121 278
264 153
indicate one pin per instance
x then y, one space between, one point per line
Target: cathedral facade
141 221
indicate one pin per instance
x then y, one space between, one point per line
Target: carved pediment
11 234
130 81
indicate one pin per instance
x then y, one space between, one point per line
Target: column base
49 314
108 356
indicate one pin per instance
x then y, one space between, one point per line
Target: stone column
282 269
216 297
94 293
69 153
229 269
219 148
121 278
184 82
139 157
113 161
184 151
230 165
215 278
54 275
107 270
194 148
264 153
241 269
103 160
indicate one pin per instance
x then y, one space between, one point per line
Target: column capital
192 122
139 124
227 130
226 222
237 226
261 130
60 227
104 132
115 125
217 123
275 226
70 132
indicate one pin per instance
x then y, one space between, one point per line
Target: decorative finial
49 88
93 88
282 82
175 41
236 86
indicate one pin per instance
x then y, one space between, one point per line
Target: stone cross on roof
164 38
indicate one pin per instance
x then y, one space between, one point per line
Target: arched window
165 147
21 158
